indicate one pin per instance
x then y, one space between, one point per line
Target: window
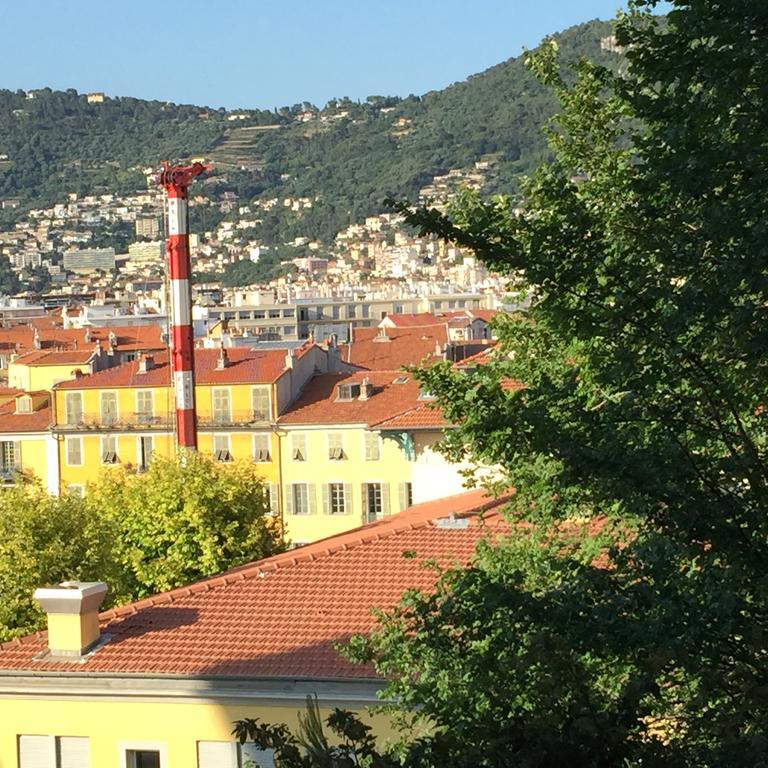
142 758
76 489
109 407
406 495
74 450
299 499
145 406
366 310
261 447
260 402
74 407
347 391
375 501
336 446
337 498
24 404
299 446
10 458
222 412
109 450
221 450
54 752
372 451
144 450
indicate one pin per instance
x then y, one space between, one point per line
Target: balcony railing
232 419
108 422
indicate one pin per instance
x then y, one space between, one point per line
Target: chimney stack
223 360
72 609
366 389
146 363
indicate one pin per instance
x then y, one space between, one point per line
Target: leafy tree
182 520
185 518
46 540
310 748
641 409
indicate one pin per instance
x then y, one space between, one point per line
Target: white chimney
72 609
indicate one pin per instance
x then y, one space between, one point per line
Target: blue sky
258 54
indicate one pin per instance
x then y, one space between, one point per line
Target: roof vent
452 522
36 339
73 616
146 363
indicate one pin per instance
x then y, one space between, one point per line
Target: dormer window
348 391
24 404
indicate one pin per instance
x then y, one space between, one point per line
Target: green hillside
351 155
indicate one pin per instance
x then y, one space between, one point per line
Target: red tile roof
245 366
129 338
423 416
282 616
12 422
45 357
387 349
319 403
411 321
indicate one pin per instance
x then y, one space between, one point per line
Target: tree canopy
627 625
182 520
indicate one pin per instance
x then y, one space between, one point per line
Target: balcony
111 423
232 419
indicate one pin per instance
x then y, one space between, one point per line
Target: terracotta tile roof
129 338
483 314
245 366
411 321
319 403
423 416
283 616
37 421
44 357
386 349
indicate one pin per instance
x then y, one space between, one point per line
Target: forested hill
350 154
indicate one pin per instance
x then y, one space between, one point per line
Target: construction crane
176 180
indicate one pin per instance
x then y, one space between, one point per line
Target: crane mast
176 181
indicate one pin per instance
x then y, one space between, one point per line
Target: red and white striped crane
176 180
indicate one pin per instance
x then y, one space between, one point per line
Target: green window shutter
17 455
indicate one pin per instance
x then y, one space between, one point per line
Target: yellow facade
36 378
374 472
97 428
114 725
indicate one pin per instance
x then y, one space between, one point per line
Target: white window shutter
385 510
274 502
288 499
74 752
216 754
402 490
37 752
348 500
326 498
312 494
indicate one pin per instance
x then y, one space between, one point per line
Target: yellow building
159 683
26 444
353 448
126 414
42 369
